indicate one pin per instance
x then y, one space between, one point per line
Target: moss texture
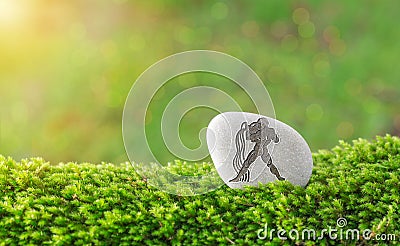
110 204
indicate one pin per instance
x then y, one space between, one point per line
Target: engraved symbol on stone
249 149
261 135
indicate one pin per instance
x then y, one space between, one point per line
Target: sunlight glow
12 13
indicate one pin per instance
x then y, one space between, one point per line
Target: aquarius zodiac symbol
262 135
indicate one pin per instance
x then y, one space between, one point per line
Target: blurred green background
332 68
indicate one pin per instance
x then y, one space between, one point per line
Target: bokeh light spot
219 11
314 112
371 105
322 68
300 16
250 29
184 35
331 33
345 129
279 29
306 30
337 47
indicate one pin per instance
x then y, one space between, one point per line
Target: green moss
111 204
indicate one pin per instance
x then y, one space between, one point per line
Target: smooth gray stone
249 148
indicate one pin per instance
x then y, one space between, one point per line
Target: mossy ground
110 204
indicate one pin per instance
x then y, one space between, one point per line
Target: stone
248 149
